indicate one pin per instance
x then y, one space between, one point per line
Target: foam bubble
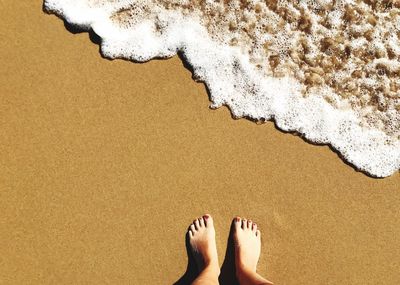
327 70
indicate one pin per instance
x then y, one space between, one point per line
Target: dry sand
103 164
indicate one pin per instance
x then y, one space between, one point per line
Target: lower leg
207 277
202 242
247 252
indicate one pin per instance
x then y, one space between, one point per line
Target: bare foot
202 241
247 240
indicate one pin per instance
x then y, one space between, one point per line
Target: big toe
208 221
237 222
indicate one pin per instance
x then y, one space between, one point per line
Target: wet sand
103 164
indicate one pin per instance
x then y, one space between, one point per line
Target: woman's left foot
202 242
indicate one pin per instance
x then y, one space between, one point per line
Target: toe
254 227
237 221
208 220
196 224
190 233
192 228
201 221
244 224
249 224
258 233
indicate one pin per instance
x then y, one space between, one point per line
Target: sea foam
328 70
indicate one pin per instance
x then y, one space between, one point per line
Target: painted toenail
206 217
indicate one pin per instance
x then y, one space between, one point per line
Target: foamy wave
142 30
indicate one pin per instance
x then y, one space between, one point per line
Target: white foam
234 81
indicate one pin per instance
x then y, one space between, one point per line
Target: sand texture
103 164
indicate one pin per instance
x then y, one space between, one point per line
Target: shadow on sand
228 271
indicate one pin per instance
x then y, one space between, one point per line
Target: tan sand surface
103 164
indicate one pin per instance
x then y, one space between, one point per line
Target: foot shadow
228 270
191 270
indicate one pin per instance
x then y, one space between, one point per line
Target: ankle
212 266
242 271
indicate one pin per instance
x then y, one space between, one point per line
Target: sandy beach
104 164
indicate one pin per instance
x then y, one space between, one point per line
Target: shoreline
105 163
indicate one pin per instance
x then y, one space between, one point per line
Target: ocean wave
328 70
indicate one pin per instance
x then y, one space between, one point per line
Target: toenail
206 217
237 219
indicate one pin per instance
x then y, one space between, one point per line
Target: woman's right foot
247 239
